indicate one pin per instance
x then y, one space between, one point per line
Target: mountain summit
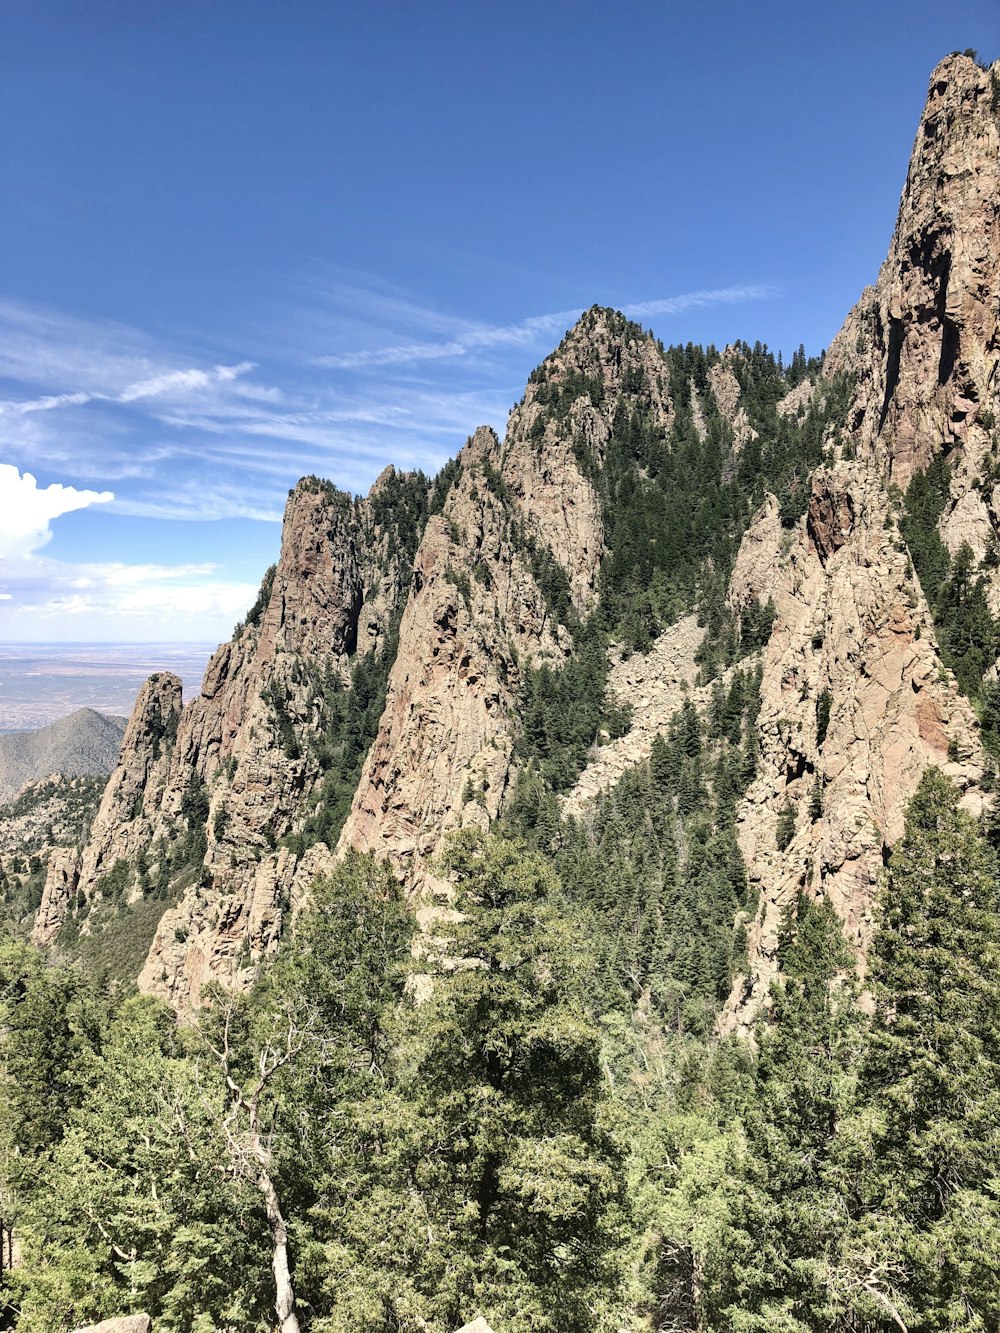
85 742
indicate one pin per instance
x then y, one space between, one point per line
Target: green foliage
926 1147
256 612
824 705
523 1122
349 718
131 1208
117 943
968 634
564 711
162 730
784 1226
504 1188
674 507
785 828
442 484
656 869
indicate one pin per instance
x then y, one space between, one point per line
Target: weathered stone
337 583
655 684
849 620
923 341
61 878
135 1323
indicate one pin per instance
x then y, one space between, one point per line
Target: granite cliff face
853 635
856 704
477 615
446 596
203 793
925 340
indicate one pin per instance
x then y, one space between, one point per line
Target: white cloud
471 337
27 510
117 601
676 305
181 429
165 382
171 381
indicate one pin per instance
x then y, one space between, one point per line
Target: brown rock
334 592
135 1323
923 341
849 620
61 878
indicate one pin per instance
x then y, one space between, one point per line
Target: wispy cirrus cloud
166 382
467 338
349 373
368 374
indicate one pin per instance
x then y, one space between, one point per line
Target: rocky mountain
85 742
48 821
658 526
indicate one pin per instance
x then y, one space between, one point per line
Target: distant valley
42 682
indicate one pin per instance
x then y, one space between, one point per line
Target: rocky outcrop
856 702
479 600
134 1323
924 341
855 705
62 876
224 779
130 808
475 616
727 393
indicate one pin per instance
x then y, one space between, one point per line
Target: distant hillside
86 742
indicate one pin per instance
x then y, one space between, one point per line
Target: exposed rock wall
62 875
852 620
726 391
924 341
852 634
243 745
474 617
655 685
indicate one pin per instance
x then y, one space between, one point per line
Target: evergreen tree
927 1152
786 1216
497 1189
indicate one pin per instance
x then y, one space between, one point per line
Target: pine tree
927 1154
497 1189
786 1215
785 828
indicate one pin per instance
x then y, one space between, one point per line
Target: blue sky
246 241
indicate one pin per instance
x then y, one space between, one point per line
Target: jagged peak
598 328
964 65
382 481
313 485
482 443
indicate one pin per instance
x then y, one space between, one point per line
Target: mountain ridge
475 614
83 743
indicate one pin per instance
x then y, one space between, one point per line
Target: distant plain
41 682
